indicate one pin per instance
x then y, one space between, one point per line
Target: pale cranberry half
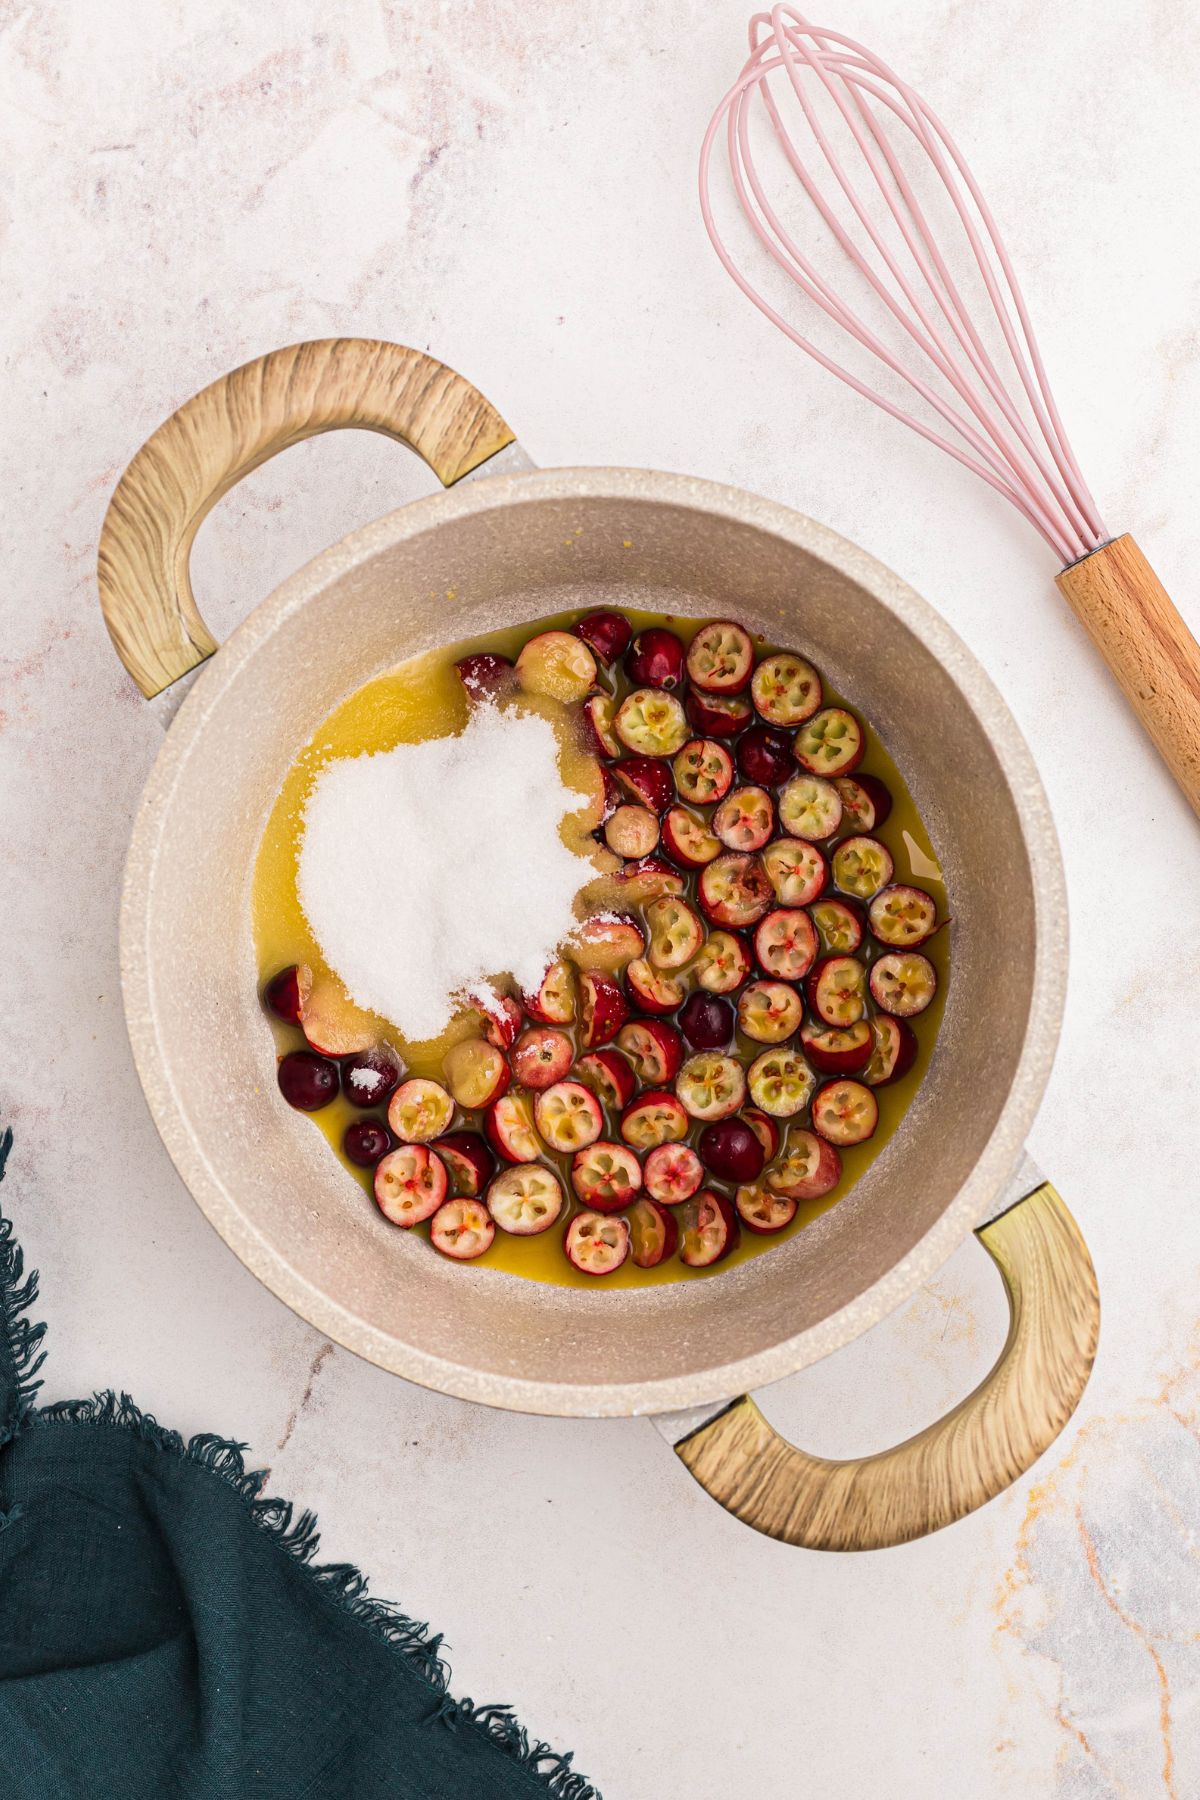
596 1245
653 1233
410 1184
462 1229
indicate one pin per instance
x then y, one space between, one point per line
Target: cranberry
706 1021
365 1141
730 1150
286 994
765 756
607 633
306 1080
656 659
369 1077
484 675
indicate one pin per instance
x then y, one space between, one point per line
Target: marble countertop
511 185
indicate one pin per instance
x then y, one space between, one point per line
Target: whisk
1000 422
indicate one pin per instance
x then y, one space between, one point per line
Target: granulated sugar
428 870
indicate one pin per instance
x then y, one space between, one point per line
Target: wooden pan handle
226 430
954 1466
1128 614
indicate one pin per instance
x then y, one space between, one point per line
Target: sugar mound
427 871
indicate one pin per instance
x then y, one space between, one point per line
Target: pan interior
463 564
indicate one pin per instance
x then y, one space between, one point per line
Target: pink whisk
1004 427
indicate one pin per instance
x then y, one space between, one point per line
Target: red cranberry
286 994
484 675
764 756
306 1080
656 659
365 1141
706 1021
730 1151
369 1077
607 633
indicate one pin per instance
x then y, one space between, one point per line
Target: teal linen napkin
166 1631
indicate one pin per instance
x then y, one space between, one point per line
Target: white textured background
184 185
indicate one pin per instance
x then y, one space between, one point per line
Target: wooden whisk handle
1129 616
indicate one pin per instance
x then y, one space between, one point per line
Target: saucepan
512 543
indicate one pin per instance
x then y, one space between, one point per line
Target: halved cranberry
861 866
810 808
866 802
557 664
839 923
595 1245
723 963
286 994
468 1161
734 890
484 675
765 1130
786 689
710 1230
711 1086
554 1002
845 1112
769 1012
902 917
808 1170
603 1008
672 1172
606 1176
609 1076
745 819
720 658
837 1051
508 1123
410 1184
703 772
651 722
607 633
653 1233
837 990
541 1056
648 879
893 1050
656 659
718 715
706 1021
763 1212
653 1119
369 1077
730 1150
785 943
419 1110
903 983
476 1072
364 1141
654 1048
687 839
332 1023
832 742
568 1116
504 1020
525 1199
764 755
676 932
632 831
646 779
599 712
651 990
462 1229
797 871
781 1082
607 941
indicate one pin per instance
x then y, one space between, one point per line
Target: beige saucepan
266 1180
